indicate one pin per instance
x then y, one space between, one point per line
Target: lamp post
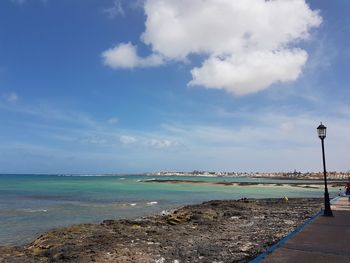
321 130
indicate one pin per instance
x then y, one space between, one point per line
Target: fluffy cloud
250 72
246 44
178 28
125 56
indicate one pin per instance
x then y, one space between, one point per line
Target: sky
121 86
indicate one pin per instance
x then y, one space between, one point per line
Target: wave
141 204
28 210
146 180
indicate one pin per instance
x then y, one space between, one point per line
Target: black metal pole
327 205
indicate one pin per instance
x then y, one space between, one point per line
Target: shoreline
315 185
226 230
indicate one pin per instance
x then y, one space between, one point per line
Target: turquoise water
32 204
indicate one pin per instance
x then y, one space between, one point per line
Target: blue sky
103 86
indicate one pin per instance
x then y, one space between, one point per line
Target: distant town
280 175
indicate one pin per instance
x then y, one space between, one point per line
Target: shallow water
31 204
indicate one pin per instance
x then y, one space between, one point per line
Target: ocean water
33 204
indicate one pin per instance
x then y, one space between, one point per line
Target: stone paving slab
326 239
286 256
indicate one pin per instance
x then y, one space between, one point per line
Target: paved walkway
326 239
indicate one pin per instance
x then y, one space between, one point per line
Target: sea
32 204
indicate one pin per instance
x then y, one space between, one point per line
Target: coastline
315 185
229 230
51 202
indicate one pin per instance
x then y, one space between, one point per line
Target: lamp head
321 130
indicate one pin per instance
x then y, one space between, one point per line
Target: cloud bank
246 45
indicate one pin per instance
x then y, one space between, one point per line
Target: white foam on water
34 210
151 179
152 203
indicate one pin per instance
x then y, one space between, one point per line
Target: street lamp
321 130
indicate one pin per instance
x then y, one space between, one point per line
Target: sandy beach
214 231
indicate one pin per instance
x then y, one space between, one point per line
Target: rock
214 231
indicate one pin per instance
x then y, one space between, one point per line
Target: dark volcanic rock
215 231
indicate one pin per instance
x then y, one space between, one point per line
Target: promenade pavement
326 239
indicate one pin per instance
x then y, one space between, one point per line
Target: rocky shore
214 231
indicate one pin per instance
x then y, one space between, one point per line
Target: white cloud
247 45
125 56
145 141
225 26
160 143
124 139
247 73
